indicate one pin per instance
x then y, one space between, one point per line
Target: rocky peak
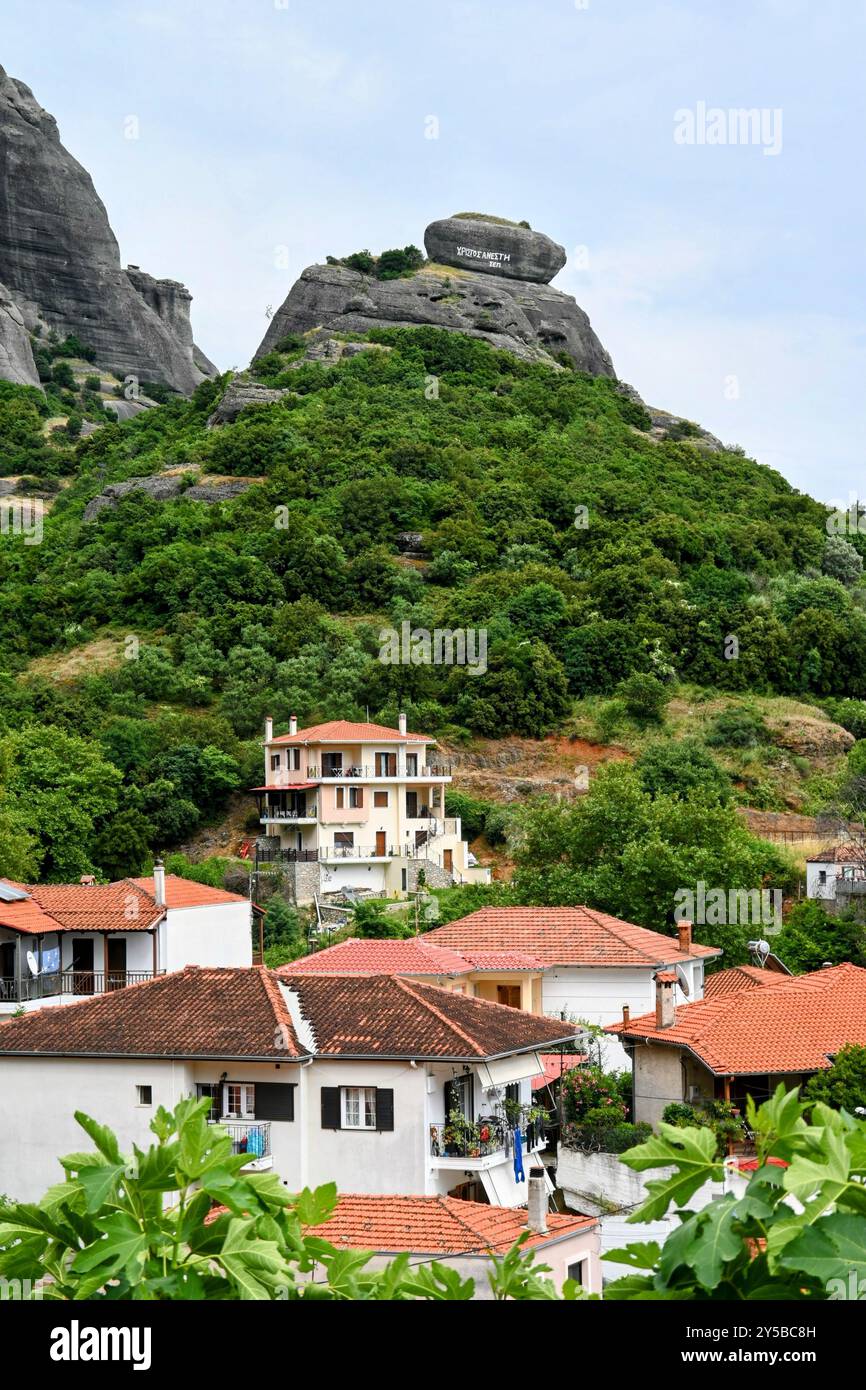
468 286
60 262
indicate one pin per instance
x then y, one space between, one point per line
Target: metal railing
365 771
480 1138
359 852
78 982
280 813
251 1137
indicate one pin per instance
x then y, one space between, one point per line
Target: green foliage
683 768
371 919
627 852
644 697
136 1227
755 1247
717 1115
478 817
843 1084
282 933
736 727
811 938
389 265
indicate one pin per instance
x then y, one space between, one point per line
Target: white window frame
276 762
247 1101
363 1103
144 1104
356 798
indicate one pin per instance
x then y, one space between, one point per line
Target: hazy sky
726 282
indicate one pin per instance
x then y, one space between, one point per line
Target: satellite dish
33 964
683 979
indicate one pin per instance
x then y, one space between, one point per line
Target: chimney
666 1013
684 931
293 723
401 722
159 883
626 1015
87 880
269 728
536 1214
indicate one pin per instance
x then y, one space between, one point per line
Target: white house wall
218 934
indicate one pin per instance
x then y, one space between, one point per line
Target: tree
812 937
683 767
645 698
756 1246
142 1227
282 933
843 1084
371 920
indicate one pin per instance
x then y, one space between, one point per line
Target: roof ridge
443 1018
473 1231
280 1007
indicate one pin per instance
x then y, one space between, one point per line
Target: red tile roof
127 905
387 1016
392 956
247 1012
793 1027
741 977
195 1012
435 1226
840 854
415 955
344 731
564 936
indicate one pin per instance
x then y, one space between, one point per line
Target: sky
235 142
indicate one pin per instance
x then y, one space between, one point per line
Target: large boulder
60 261
529 319
494 246
16 356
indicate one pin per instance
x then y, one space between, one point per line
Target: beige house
359 807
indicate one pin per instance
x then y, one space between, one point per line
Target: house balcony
480 1144
357 772
75 983
308 816
337 853
250 1137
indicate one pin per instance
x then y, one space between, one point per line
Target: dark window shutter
384 1108
274 1101
331 1107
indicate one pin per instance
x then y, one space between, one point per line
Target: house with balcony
512 978
62 941
836 877
594 964
377 1083
760 1029
359 807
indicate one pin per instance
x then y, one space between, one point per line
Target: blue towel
519 1175
256 1142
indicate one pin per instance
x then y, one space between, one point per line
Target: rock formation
507 302
16 356
60 262
165 487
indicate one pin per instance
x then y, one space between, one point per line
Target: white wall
814 887
218 934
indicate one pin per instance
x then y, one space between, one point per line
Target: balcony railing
77 982
251 1137
359 852
280 813
481 1138
365 772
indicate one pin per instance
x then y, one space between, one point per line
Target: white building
359 806
595 964
61 941
375 1083
837 875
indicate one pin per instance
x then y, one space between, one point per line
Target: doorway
381 849
115 965
448 861
82 965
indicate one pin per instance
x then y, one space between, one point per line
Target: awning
503 1070
290 787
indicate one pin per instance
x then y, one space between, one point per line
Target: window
344 839
386 764
294 758
145 1095
575 1272
339 797
508 994
356 797
411 764
332 764
211 1090
239 1100
359 1107
822 876
275 762
380 798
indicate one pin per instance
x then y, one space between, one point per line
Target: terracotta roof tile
435 1225
127 905
196 1012
556 1064
564 936
384 1015
344 731
792 1027
741 977
392 956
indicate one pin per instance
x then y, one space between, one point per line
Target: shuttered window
358 1108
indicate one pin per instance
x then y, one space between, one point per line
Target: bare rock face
494 247
527 318
164 487
60 261
238 395
16 356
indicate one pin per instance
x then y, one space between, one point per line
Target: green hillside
590 553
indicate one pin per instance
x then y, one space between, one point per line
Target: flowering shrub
586 1089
